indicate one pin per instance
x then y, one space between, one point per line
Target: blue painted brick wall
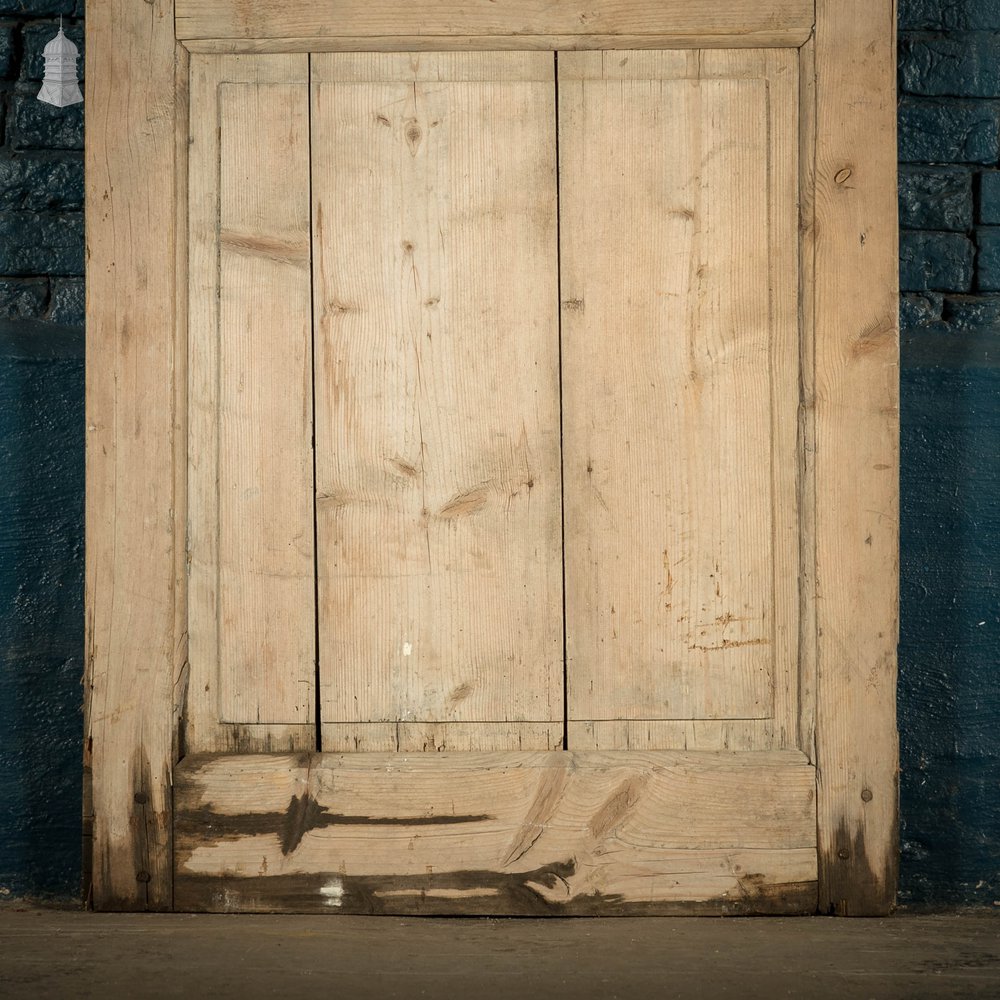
41 170
949 691
41 462
949 654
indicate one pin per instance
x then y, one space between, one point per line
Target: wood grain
678 177
373 18
778 37
807 401
131 530
434 737
437 421
251 605
857 454
672 734
509 833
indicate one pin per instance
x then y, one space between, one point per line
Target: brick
935 198
961 64
22 298
67 301
41 126
918 311
39 182
989 197
7 50
935 261
972 313
957 131
988 259
32 243
36 37
37 8
949 15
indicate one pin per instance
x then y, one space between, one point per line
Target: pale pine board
252 589
672 734
680 387
432 737
437 421
782 21
509 833
132 529
857 454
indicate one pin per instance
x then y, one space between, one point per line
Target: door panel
437 401
679 214
502 833
252 592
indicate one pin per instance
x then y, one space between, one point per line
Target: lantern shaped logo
60 86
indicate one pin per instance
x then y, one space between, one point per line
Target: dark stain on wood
303 814
147 855
850 883
472 893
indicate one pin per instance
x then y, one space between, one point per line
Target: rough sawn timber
857 455
502 833
787 20
133 522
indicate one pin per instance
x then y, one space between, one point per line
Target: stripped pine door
517 574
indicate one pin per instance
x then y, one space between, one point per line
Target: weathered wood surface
777 38
787 21
251 606
419 737
512 833
678 180
437 397
807 399
672 734
134 520
857 454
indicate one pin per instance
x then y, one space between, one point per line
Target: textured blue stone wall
949 654
41 170
41 461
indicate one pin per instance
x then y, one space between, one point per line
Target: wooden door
538 548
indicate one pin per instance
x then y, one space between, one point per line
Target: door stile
857 455
132 529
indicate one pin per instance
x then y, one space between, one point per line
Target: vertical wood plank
252 604
807 397
266 574
680 387
131 528
857 455
438 471
182 136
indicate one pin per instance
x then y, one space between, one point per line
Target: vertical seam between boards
562 447
317 692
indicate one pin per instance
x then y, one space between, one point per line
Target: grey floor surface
67 954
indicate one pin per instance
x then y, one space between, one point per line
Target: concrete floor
65 954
